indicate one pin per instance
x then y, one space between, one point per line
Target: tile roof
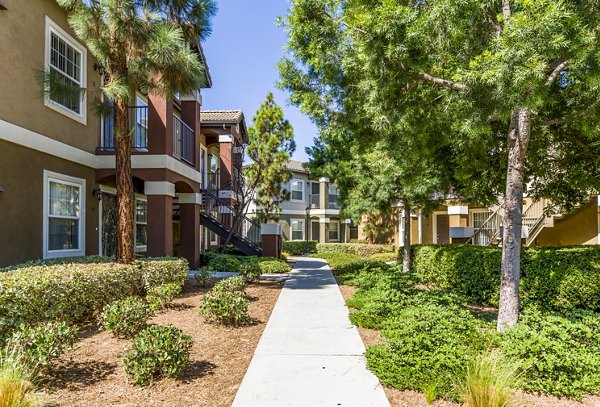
220 116
297 166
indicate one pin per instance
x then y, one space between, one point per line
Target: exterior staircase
536 216
218 216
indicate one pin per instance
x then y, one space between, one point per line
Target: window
213 238
334 230
141 123
214 172
333 197
203 166
64 219
66 61
297 188
297 229
141 225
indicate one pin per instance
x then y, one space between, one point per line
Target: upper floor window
66 61
333 197
297 190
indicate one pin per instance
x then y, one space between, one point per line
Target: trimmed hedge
360 249
76 292
337 260
299 247
556 278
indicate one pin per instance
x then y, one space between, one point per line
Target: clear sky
242 54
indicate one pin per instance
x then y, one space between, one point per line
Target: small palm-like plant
146 46
16 388
491 382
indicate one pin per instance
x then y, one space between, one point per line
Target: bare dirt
92 374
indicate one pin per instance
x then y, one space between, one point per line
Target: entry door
443 229
314 231
109 224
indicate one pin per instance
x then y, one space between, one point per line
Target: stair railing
490 229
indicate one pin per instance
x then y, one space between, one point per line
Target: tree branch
552 122
556 72
443 82
506 10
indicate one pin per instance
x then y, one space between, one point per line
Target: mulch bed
92 373
408 398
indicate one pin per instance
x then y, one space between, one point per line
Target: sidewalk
309 354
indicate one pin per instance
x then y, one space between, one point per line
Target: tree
270 147
525 68
146 46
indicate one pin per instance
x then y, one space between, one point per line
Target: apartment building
312 212
57 163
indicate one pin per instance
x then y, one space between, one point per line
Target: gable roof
297 166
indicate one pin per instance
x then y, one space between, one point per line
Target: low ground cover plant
360 249
387 257
431 336
338 260
162 296
125 318
299 247
157 352
233 285
274 267
225 303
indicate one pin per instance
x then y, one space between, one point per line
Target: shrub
250 268
491 382
225 262
387 257
156 352
360 249
562 352
427 347
224 307
125 318
556 278
274 267
202 276
162 296
206 257
299 247
76 292
38 345
233 285
338 261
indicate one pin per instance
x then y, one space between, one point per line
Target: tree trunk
406 247
518 138
125 192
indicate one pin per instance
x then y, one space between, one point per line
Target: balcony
314 201
183 141
138 115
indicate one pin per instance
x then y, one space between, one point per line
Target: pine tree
143 46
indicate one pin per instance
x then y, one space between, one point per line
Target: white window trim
65 179
140 249
303 222
52 27
210 235
292 190
339 230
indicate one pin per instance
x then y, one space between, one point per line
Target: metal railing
183 141
224 214
137 115
213 181
490 231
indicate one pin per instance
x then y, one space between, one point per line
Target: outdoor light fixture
97 192
100 68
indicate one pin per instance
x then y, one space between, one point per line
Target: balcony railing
314 201
183 141
140 128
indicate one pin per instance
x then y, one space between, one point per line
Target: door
314 226
443 229
109 224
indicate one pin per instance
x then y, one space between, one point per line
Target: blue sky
242 54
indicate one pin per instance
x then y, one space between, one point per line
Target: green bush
225 262
125 318
156 352
561 354
360 249
224 307
76 292
274 267
338 261
233 285
427 347
162 296
202 276
387 257
299 247
556 278
250 268
38 345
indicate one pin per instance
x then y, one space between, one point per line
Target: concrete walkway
310 354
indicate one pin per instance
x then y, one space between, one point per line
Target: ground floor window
213 238
141 225
64 215
334 231
297 226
